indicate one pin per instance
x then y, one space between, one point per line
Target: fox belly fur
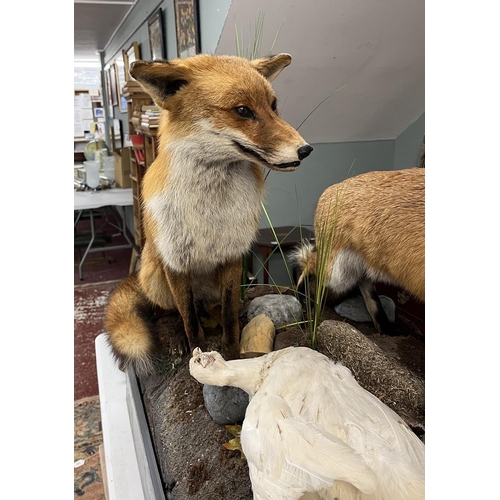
371 229
201 198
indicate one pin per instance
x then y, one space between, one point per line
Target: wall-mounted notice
83 115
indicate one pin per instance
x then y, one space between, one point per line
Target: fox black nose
304 151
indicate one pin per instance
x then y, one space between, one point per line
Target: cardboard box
122 167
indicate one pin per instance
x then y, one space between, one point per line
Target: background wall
407 144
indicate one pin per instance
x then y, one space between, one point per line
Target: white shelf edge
122 468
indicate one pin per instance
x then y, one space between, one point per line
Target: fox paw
179 345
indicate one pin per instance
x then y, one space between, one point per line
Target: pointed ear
160 79
271 66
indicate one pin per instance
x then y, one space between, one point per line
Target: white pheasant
312 432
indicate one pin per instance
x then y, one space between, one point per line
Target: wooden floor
101 273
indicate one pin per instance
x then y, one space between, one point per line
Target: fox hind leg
375 309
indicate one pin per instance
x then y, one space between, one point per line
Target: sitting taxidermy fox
201 198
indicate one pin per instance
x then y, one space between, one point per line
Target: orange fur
201 196
374 226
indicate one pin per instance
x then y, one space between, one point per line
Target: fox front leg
230 281
184 342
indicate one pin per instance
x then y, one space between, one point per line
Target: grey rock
226 405
281 309
354 308
386 378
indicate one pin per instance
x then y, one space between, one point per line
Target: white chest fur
207 214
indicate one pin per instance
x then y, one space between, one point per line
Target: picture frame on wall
112 85
156 35
187 28
107 82
108 85
129 56
120 82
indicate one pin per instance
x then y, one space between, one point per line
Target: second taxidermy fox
370 228
201 198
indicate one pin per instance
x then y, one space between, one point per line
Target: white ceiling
95 24
372 51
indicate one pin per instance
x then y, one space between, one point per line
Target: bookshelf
145 147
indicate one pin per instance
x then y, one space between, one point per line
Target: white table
106 197
102 200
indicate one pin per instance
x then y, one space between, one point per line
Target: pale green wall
290 194
291 197
407 144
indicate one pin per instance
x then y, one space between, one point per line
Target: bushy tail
129 329
304 258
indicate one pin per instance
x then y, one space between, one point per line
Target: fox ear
160 79
271 66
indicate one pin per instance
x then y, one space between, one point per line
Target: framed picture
120 82
156 38
112 85
108 85
129 56
99 112
187 27
110 109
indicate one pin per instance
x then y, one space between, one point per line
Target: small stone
281 309
257 337
226 405
354 309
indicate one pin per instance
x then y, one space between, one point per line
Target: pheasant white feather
312 432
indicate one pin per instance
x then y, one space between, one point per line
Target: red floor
101 273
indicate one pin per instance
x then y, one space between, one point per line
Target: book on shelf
147 126
138 147
136 95
134 89
148 120
150 117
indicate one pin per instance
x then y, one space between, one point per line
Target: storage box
122 167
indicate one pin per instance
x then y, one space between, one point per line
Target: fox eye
245 112
274 105
198 360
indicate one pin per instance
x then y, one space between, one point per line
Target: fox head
226 105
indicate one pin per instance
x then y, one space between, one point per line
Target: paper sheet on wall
78 123
86 102
83 115
86 124
87 114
